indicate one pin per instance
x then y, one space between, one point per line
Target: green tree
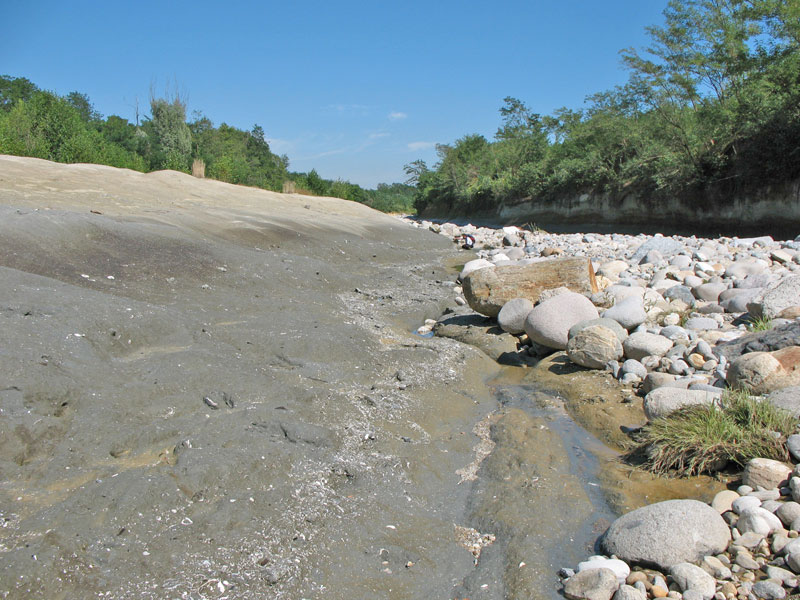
172 139
13 89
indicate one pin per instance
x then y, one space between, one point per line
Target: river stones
691 577
641 344
663 401
549 323
764 372
607 323
628 312
777 298
758 520
766 473
723 501
592 584
620 568
594 346
511 317
788 399
667 533
709 291
762 341
666 246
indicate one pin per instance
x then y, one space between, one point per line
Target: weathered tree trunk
486 290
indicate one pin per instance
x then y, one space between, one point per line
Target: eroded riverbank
215 392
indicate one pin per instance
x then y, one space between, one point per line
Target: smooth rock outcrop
667 533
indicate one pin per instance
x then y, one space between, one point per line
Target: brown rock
487 290
552 251
696 360
658 592
764 372
766 473
728 589
636 576
790 312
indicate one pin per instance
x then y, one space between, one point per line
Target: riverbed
211 391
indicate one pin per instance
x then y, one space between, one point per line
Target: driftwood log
487 290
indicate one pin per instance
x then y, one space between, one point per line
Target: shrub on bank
703 439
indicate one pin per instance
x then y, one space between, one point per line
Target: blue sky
355 89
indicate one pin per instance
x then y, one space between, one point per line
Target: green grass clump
703 439
760 324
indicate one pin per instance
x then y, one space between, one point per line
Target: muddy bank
211 391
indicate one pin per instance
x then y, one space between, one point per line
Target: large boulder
766 473
629 312
594 346
641 344
788 399
667 533
487 290
776 298
665 400
666 246
761 341
511 317
474 265
549 323
765 372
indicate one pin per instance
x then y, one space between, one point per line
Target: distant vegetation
713 104
68 129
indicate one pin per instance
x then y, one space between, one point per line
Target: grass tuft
759 324
703 439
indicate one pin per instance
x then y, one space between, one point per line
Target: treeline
713 104
41 124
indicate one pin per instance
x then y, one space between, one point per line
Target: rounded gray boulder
511 317
549 323
667 533
641 344
629 312
665 400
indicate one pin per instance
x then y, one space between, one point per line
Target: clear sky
355 89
